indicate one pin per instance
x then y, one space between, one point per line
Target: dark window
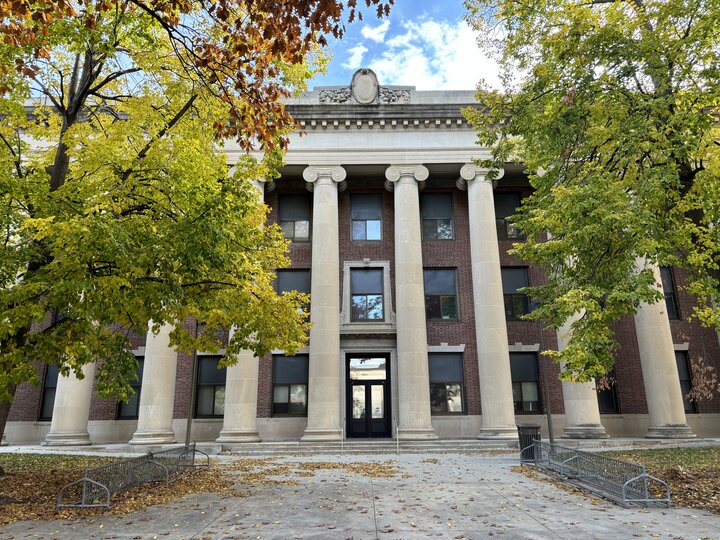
128 410
446 383
210 387
516 304
294 216
48 394
437 216
293 280
526 391
366 289
290 382
440 294
607 394
366 217
683 367
506 203
669 288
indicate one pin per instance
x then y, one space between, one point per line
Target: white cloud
435 55
377 33
355 58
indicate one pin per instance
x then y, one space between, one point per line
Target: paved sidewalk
453 496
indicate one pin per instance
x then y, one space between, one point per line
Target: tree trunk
5 409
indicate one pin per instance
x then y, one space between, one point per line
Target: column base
670 431
67 438
323 435
237 436
153 437
416 434
499 433
585 431
3 441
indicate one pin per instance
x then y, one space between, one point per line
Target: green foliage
611 105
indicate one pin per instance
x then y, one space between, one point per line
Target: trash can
527 434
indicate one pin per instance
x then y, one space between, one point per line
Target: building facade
402 242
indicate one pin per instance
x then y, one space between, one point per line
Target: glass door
368 390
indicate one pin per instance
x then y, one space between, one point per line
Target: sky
423 43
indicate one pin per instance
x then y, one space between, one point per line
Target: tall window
48 394
366 289
440 294
668 284
446 383
294 216
607 394
506 203
516 304
436 210
290 381
526 390
366 217
210 387
683 367
129 410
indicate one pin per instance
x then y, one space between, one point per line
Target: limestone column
414 421
496 399
4 441
659 369
157 397
324 422
241 388
71 410
582 412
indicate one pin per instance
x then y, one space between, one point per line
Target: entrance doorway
368 395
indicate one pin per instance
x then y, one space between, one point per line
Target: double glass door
368 391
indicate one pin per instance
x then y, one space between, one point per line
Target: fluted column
71 410
582 412
241 387
659 369
157 397
496 399
324 423
414 421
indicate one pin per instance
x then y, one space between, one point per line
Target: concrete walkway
458 496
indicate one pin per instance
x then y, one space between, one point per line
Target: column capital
471 171
314 173
394 173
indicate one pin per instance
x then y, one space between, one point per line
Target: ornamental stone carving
364 89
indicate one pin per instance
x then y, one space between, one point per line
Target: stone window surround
348 326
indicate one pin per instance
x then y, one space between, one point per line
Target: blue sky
423 43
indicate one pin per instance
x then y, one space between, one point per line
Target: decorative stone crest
364 89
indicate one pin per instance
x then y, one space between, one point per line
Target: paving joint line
372 492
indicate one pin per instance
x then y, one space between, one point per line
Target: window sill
368 328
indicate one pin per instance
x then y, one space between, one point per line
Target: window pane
302 230
368 368
374 230
454 397
377 399
436 206
219 400
208 372
438 399
358 230
293 280
375 307
290 369
358 308
449 308
51 376
129 409
294 208
514 279
682 365
445 367
288 228
430 231
366 206
48 403
366 281
506 202
667 280
281 394
439 281
444 229
298 399
358 406
531 402
205 399
432 307
523 366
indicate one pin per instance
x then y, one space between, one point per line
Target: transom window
436 210
129 409
210 387
506 204
294 216
366 216
49 388
440 294
366 289
290 382
516 304
668 284
683 367
446 383
524 373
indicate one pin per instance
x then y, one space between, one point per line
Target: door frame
387 395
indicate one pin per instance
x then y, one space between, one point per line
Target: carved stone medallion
365 86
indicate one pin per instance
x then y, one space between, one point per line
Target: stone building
402 242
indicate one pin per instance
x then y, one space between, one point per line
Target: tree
117 208
612 106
